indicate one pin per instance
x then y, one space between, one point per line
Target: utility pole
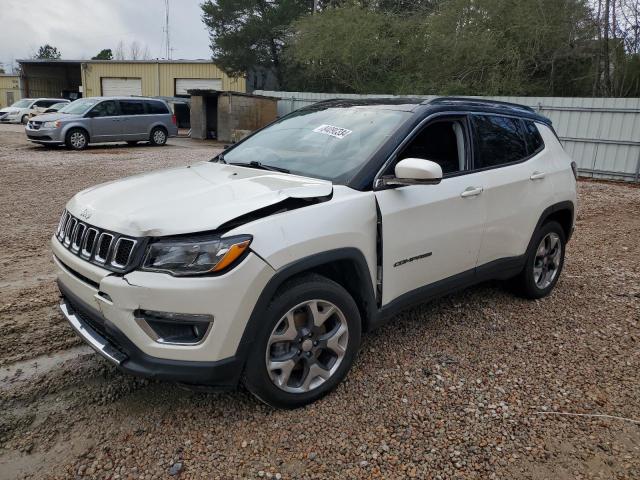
167 38
315 6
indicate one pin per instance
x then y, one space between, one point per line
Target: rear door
431 234
105 123
513 164
134 120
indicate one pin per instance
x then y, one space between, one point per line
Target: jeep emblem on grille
85 214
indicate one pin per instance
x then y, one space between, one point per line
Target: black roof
415 104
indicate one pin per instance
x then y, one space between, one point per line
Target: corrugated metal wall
157 78
601 134
9 88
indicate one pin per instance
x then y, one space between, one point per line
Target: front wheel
308 341
158 137
544 262
77 139
24 120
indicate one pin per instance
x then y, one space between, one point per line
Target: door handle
472 192
537 175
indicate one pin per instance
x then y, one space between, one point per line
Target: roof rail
480 101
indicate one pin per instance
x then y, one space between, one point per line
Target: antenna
167 38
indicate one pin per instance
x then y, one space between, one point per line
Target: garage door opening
121 87
183 85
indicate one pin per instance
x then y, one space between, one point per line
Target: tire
321 359
24 120
545 259
76 139
158 137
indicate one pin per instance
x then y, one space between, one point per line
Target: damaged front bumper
102 308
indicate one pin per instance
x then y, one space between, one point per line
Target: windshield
24 103
79 106
324 142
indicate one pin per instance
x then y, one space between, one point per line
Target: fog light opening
174 328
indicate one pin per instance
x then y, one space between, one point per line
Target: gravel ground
469 386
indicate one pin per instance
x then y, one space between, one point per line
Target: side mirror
91 114
413 171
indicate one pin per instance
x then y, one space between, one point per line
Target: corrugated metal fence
601 134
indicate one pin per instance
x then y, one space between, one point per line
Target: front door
105 122
431 233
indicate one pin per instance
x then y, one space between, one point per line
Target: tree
324 54
472 47
248 35
135 51
48 52
105 54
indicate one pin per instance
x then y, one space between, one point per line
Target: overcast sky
81 28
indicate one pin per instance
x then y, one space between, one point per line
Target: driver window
442 142
105 109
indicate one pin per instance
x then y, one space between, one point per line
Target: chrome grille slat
109 250
104 247
89 242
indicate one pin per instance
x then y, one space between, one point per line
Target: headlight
55 124
195 256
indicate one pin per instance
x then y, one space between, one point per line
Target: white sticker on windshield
333 131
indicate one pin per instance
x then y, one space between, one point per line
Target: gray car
105 119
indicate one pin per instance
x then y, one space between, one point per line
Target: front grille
39 137
34 125
110 250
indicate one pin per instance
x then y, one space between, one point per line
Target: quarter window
127 107
498 140
533 137
156 108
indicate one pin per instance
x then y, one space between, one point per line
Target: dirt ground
470 386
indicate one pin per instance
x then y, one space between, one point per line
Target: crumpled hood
188 199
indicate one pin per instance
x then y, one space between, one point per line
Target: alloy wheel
159 137
307 346
78 140
546 263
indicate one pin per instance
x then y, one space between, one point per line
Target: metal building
9 90
92 78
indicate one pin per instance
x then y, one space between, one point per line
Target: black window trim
440 116
502 165
542 144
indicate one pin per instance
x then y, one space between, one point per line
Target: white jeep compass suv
266 264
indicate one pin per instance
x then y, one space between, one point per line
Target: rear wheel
77 139
544 262
158 136
307 344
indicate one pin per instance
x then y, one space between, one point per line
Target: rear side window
128 107
156 108
533 137
498 141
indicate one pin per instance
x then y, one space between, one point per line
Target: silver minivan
105 119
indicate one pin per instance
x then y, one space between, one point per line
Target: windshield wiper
262 166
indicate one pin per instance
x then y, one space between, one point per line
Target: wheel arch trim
301 266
